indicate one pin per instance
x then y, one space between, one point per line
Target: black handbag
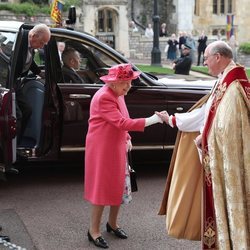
133 181
132 173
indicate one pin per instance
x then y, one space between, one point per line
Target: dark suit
70 76
183 65
201 47
23 109
21 60
182 40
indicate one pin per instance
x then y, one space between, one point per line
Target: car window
7 40
93 63
95 59
3 71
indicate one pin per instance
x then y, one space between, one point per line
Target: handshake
158 117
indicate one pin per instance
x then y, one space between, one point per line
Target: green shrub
31 9
245 48
28 9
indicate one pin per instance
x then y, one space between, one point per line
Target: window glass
7 40
222 6
3 72
95 59
215 6
101 21
110 21
106 20
230 6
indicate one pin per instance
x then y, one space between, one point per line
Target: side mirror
72 15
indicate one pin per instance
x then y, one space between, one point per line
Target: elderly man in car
71 63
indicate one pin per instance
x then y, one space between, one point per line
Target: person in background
182 40
133 26
60 47
149 33
107 180
163 30
191 43
71 63
212 156
172 48
234 45
36 38
202 44
182 65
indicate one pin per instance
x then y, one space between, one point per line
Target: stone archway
108 22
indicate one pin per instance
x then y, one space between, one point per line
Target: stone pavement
42 208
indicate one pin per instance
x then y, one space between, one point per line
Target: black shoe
99 241
118 232
6 238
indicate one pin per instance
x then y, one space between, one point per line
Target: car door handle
79 96
179 108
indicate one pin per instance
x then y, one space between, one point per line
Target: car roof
10 25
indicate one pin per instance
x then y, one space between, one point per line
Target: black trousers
199 57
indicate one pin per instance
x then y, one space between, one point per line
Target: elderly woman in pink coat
107 143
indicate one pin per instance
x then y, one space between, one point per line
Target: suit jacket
71 76
183 65
182 40
202 43
21 60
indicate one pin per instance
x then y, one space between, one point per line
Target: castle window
215 6
223 6
230 6
105 20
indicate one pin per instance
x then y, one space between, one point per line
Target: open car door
8 38
7 129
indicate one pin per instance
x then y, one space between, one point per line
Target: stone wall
243 59
141 47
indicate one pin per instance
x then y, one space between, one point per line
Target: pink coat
105 154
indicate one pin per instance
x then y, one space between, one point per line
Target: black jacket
21 59
70 76
183 65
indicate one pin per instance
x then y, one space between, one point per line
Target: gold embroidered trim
209 234
206 166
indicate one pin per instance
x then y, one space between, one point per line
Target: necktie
29 59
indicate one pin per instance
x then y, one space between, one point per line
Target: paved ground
43 209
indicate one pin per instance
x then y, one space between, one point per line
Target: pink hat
120 72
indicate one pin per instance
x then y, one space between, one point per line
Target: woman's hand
152 120
163 115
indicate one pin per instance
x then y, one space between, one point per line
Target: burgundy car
59 120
